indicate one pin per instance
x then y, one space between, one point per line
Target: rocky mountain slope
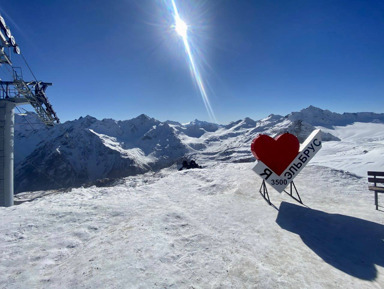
87 149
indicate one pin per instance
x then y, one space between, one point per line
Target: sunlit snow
207 228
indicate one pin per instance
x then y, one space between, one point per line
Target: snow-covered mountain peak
243 124
208 126
143 117
87 120
319 117
173 123
196 122
270 120
195 128
248 122
315 116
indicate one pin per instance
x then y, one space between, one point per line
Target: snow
201 228
361 148
111 149
135 153
326 118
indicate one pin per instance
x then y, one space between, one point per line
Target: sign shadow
349 244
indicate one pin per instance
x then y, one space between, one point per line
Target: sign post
307 151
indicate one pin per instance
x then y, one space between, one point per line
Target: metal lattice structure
13 92
33 93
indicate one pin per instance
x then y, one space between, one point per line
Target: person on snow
184 166
191 165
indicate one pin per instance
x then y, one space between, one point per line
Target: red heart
276 153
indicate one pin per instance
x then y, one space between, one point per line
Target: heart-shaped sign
277 153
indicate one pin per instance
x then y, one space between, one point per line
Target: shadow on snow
349 244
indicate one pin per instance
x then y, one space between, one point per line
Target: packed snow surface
200 228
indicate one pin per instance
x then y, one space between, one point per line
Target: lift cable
30 70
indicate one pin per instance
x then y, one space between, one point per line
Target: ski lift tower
13 92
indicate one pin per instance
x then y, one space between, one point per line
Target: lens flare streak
182 29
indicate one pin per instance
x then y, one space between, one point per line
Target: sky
119 59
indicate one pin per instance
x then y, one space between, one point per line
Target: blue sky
118 59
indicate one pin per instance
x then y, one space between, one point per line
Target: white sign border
307 151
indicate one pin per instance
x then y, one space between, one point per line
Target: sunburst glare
182 29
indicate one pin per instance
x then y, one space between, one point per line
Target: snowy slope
361 148
232 142
202 228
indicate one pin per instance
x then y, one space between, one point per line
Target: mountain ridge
87 149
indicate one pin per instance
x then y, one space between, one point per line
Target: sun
180 27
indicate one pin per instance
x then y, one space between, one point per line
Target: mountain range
90 151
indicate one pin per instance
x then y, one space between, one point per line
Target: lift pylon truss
33 92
